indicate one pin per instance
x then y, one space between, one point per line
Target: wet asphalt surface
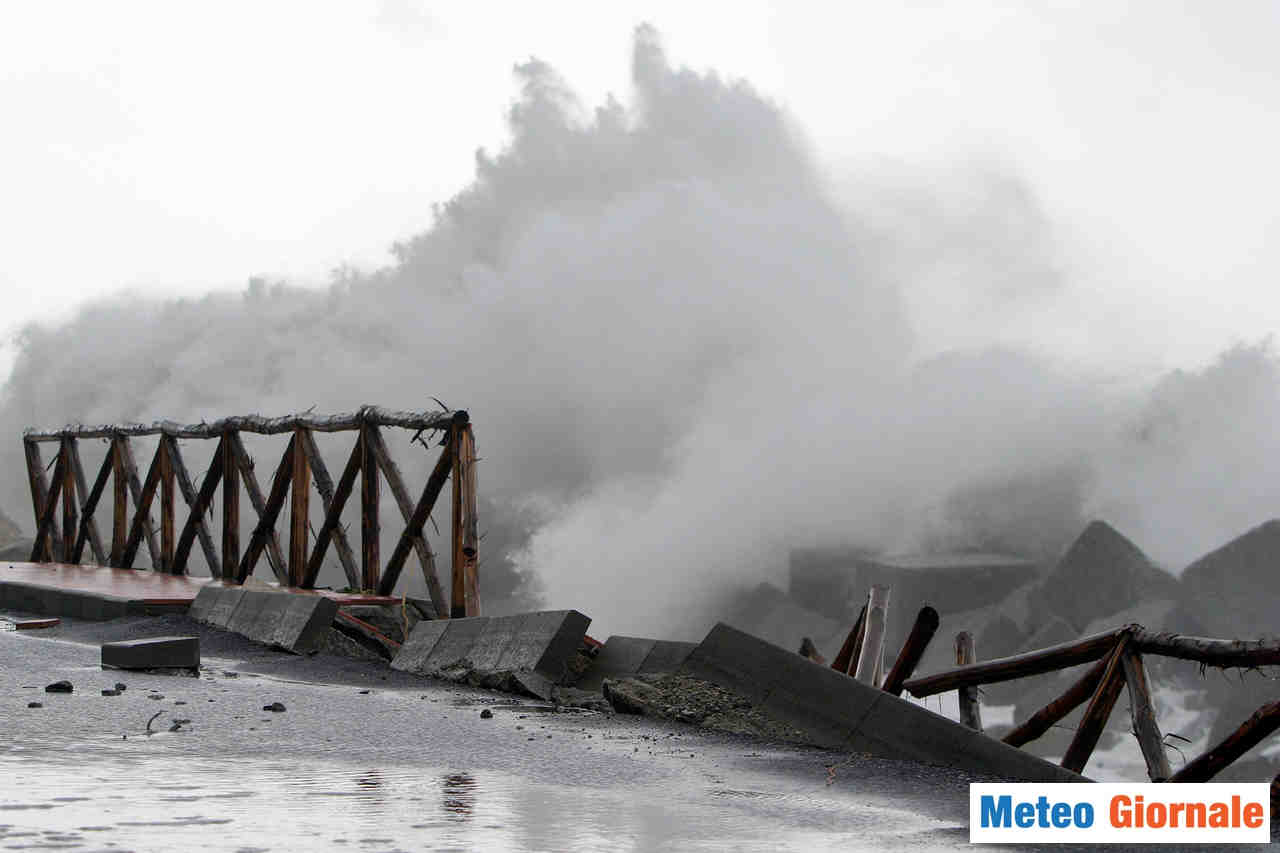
368 759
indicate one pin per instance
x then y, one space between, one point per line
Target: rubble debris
274 707
691 700
59 687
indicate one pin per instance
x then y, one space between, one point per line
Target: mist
686 350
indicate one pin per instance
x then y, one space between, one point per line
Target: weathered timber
142 513
195 520
370 525
39 492
70 512
120 504
426 559
1100 705
187 489
852 645
44 521
333 523
970 709
130 466
299 506
1041 721
373 415
324 485
1208 651
1252 732
88 529
1061 656
922 631
274 556
230 509
265 530
1143 715
430 492
469 543
873 635
168 539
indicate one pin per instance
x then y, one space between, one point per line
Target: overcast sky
173 148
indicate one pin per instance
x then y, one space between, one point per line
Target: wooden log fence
65 509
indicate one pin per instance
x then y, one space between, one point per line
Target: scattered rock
155 696
363 692
59 687
110 692
486 714
275 707
690 700
35 704
121 686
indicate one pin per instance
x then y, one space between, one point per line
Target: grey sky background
173 148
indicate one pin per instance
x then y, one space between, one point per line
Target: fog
686 349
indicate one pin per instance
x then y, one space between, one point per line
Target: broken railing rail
300 465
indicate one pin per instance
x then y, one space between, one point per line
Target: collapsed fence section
232 469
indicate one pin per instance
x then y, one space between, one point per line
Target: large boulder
1234 590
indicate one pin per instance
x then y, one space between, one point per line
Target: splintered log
426 559
374 415
142 514
810 651
230 509
873 635
135 489
370 523
466 521
88 529
324 485
1044 719
1100 705
39 494
44 521
1061 656
265 530
299 508
195 520
970 709
926 625
168 539
1210 652
1143 715
430 493
120 504
274 556
1253 731
196 517
70 513
332 526
852 646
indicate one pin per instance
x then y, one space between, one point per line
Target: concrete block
737 661
153 653
619 657
223 603
667 656
203 603
824 704
301 622
491 645
545 643
454 648
417 649
244 619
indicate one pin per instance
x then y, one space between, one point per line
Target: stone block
153 653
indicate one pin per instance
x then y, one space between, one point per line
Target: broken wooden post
1143 715
1099 710
1252 732
70 513
1041 721
970 709
926 625
120 504
873 636
230 510
1246 654
469 542
299 507
370 488
852 647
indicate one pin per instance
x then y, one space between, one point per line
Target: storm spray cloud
683 355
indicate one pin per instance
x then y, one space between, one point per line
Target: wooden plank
324 485
458 586
88 528
44 522
275 558
39 490
1246 654
370 531
230 509
849 652
1253 731
426 559
873 635
1061 656
1100 705
1041 721
142 512
922 631
299 508
195 517
430 493
1143 714
470 537
199 506
265 530
333 521
167 537
70 512
970 708
120 504
135 489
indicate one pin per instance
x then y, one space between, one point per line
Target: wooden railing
65 540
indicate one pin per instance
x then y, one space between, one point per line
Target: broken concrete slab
215 603
839 712
421 642
620 657
294 621
153 653
667 656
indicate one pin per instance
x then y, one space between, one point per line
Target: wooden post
1246 654
195 520
88 529
1143 715
848 654
873 636
370 490
142 514
135 489
120 504
430 493
926 625
168 539
275 558
44 522
324 485
426 559
264 532
1252 732
1095 716
299 510
1041 721
230 510
333 521
70 513
39 491
458 591
469 541
970 708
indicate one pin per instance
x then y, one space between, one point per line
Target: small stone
363 692
59 687
275 707
110 692
486 714
179 702
155 696
35 704
121 686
